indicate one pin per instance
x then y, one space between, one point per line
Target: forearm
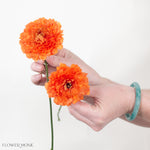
143 117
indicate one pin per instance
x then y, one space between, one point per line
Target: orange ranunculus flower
67 85
41 38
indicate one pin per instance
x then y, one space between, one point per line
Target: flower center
68 85
39 37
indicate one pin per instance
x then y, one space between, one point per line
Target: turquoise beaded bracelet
133 115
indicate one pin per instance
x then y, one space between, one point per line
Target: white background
112 36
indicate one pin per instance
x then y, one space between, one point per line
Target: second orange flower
67 85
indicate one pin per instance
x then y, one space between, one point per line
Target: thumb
55 60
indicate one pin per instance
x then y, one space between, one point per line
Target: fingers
53 61
38 79
37 67
41 69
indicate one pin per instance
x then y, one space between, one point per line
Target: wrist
129 98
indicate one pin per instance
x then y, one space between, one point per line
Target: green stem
59 112
51 113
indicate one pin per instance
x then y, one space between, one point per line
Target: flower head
67 85
41 38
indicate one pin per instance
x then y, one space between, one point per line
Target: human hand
107 100
63 56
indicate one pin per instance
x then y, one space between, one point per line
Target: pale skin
107 100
